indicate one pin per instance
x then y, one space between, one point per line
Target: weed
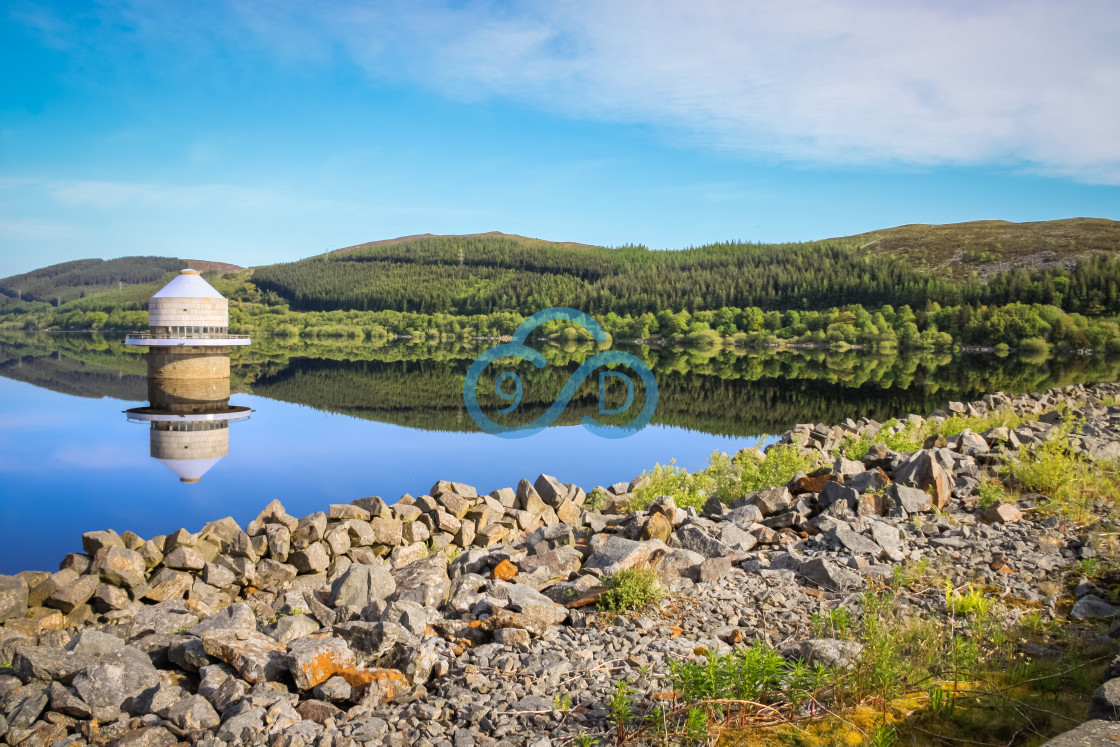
991 493
631 588
596 499
1071 484
972 603
562 703
621 710
883 736
586 740
6 664
834 623
1088 566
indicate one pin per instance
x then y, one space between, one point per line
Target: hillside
498 235
80 278
980 262
988 247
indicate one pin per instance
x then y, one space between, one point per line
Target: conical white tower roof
189 470
188 284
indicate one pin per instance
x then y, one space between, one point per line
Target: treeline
70 280
469 275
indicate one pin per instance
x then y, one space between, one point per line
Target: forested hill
84 277
1078 269
988 247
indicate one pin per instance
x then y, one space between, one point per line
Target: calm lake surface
331 424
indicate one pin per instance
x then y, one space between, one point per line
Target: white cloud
1030 84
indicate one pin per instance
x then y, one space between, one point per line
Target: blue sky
254 131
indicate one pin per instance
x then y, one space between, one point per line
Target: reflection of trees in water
753 395
420 385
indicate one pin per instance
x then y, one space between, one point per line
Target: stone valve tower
188 343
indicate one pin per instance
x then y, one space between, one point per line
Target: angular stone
492 534
311 559
568 512
658 527
44 664
550 490
237 616
94 541
528 499
923 471
871 480
375 686
831 652
1106 701
912 500
108 598
106 685
618 553
193 714
313 661
40 592
455 505
387 531
167 584
272 575
279 542
694 538
1002 513
312 528
735 537
1091 606
507 497
13 597
549 538
423 581
73 595
362 584
256 657
856 543
184 559
827 575
771 501
120 566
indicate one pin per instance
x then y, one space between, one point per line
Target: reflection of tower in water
188 376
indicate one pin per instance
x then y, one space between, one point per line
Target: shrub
631 588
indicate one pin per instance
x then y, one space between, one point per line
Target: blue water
70 464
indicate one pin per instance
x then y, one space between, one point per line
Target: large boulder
924 472
361 584
423 581
13 597
618 553
313 661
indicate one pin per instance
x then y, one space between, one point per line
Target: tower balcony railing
184 336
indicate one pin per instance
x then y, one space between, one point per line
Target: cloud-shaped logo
607 359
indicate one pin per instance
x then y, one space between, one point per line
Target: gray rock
189 654
827 575
548 538
237 616
619 553
362 584
1106 701
120 566
831 652
193 714
90 641
106 685
243 727
1089 734
166 617
694 538
1091 606
44 664
911 498
73 595
856 543
771 501
13 597
312 661
256 657
423 581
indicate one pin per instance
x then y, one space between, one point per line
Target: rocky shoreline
457 619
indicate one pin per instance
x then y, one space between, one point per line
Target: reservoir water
329 425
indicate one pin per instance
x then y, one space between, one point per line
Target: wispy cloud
1026 84
1029 84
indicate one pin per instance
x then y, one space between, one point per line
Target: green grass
631 588
1070 483
991 493
726 477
